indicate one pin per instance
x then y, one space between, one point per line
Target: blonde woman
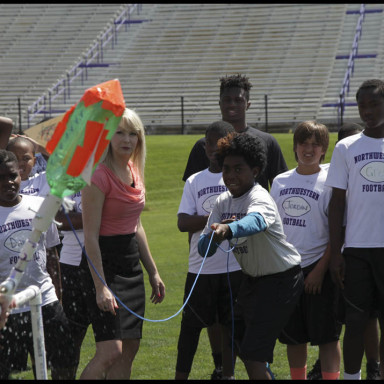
116 243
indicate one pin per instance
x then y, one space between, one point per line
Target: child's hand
221 232
314 281
337 268
228 221
5 305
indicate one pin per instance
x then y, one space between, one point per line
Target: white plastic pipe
33 295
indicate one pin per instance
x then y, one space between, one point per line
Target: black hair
220 127
19 139
374 84
7 157
235 81
348 129
252 149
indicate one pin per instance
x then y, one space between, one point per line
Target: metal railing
63 85
350 68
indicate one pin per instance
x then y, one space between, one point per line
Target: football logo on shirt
15 243
209 203
373 172
237 241
16 240
296 206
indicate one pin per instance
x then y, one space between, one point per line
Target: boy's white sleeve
188 202
274 189
214 217
52 238
338 170
266 207
326 198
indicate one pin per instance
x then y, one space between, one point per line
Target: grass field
156 359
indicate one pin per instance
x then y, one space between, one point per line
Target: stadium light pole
182 115
266 112
19 104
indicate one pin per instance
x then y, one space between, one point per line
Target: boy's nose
365 113
230 176
231 102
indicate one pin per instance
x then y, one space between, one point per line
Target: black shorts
210 300
340 305
314 319
16 336
124 276
364 281
74 295
74 304
264 305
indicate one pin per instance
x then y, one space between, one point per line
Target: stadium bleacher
296 54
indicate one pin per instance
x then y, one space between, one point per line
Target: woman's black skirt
124 276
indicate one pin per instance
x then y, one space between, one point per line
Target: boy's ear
256 171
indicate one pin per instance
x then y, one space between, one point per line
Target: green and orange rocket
81 138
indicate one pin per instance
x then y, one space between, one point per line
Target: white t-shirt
40 164
200 193
36 185
357 166
71 251
302 201
266 252
15 229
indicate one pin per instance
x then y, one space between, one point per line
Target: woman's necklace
126 178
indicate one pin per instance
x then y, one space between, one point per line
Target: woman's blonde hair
131 121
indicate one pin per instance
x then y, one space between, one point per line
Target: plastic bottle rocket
82 136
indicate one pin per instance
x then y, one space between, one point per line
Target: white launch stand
33 295
40 224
